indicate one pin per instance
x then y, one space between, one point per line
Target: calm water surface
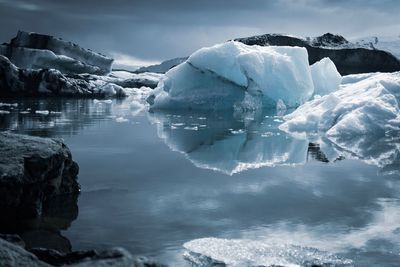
153 181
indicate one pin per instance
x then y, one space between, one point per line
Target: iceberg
325 77
360 121
221 76
39 51
233 75
369 106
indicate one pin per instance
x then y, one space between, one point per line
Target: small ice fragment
9 105
4 112
237 131
43 112
121 119
267 134
195 128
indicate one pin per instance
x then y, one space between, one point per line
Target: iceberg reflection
231 143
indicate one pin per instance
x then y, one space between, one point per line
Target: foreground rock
349 58
39 51
33 170
14 254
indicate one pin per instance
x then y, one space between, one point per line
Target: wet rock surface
348 57
33 170
12 254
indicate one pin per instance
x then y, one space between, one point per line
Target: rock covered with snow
349 58
386 43
39 51
163 67
236 76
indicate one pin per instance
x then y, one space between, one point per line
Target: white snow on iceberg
325 77
219 77
368 107
242 252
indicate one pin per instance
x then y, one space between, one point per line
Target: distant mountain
390 44
163 66
349 57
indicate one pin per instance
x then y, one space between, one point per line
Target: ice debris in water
107 101
42 112
235 75
121 119
4 112
9 105
241 252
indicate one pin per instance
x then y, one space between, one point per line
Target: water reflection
139 193
231 144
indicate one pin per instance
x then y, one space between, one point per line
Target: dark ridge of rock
163 67
348 57
39 51
15 81
33 170
16 256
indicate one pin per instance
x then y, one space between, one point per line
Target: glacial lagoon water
159 183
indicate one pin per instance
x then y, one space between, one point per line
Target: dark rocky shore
38 198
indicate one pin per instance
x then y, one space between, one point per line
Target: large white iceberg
221 76
369 107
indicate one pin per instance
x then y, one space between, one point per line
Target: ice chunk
325 77
368 107
243 252
121 119
43 112
218 77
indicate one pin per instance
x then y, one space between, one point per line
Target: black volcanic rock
39 51
15 81
15 255
348 58
33 170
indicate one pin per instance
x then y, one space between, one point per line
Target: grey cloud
159 29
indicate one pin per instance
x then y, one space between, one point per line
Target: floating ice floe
243 253
233 74
42 112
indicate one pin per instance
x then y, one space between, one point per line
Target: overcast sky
154 30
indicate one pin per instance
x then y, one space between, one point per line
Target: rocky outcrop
15 81
33 170
348 58
14 255
163 67
39 51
